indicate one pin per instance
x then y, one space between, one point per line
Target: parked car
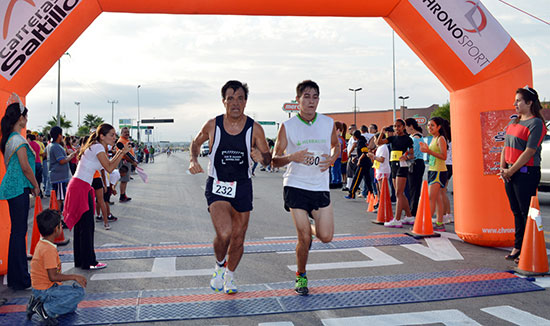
205 150
545 164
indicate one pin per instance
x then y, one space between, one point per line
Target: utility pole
78 106
113 102
59 89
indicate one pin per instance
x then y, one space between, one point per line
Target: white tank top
316 138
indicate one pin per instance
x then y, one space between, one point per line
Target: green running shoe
301 285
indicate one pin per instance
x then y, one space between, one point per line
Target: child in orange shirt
50 298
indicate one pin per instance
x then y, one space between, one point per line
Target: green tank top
436 164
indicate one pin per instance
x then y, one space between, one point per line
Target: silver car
205 149
545 164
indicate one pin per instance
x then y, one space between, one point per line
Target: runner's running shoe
393 224
229 285
301 285
447 218
409 220
439 227
216 283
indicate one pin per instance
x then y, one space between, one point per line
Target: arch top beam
346 8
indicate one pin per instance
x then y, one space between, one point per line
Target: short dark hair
55 132
305 85
31 137
374 126
235 85
364 128
356 134
123 169
47 221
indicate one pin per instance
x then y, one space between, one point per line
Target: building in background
384 118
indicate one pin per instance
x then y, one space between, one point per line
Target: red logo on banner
291 107
470 17
8 14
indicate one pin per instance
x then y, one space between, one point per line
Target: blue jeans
60 299
336 171
46 177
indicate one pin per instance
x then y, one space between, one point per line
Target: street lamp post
355 104
78 106
403 98
59 89
113 102
138 121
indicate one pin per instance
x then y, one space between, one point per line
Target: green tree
65 124
83 131
92 121
443 111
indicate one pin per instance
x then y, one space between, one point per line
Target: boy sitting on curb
50 298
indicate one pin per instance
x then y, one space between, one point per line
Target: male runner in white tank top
235 140
311 144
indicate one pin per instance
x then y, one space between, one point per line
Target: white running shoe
216 283
393 224
409 220
448 218
229 285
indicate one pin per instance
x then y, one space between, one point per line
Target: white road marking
277 323
516 316
162 267
378 258
438 249
543 282
447 317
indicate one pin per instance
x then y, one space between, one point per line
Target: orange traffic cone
423 227
371 201
35 233
385 213
60 240
533 259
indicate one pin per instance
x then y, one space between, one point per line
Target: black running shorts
398 171
305 199
243 197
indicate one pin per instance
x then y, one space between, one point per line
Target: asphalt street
172 208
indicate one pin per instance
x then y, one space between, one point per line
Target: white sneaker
448 218
393 224
229 285
216 283
409 220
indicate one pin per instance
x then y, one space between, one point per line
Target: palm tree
92 121
65 124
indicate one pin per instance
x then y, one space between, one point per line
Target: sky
182 61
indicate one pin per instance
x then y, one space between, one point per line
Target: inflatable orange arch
459 41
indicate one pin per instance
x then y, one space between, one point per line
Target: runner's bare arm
194 149
381 141
279 157
260 149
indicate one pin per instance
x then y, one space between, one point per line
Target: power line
525 12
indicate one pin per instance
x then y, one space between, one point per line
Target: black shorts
449 171
439 177
398 171
60 190
97 183
243 197
107 195
305 199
